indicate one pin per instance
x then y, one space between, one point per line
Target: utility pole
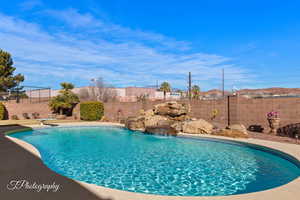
223 85
190 85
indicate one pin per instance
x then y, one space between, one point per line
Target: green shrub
2 111
91 110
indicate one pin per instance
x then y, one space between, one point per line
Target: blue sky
136 43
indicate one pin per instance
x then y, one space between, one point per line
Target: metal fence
27 94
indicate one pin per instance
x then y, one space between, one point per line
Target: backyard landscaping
92 146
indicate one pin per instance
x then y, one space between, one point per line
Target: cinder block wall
20 108
254 111
236 109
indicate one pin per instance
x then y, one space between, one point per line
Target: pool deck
21 161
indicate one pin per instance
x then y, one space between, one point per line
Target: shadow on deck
18 164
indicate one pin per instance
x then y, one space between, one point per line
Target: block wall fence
230 110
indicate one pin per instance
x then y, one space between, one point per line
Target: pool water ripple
121 159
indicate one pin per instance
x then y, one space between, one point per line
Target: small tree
7 79
165 87
196 91
102 91
65 101
143 98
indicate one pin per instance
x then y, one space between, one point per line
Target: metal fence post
228 110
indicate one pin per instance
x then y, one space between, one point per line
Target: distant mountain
214 92
271 91
255 92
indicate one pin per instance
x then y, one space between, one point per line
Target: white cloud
30 4
49 58
74 18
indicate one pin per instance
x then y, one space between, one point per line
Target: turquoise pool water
126 160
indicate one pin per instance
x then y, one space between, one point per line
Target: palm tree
165 87
196 91
65 101
67 86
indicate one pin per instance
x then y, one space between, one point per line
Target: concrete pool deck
21 161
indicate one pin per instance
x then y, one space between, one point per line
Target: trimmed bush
2 111
91 110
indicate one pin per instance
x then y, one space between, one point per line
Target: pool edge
289 191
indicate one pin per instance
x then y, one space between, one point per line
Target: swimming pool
121 159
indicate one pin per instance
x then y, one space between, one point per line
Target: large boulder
135 123
231 133
199 126
177 126
161 130
171 118
162 126
238 127
171 109
168 118
148 113
181 118
154 120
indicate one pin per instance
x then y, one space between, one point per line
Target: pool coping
289 191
